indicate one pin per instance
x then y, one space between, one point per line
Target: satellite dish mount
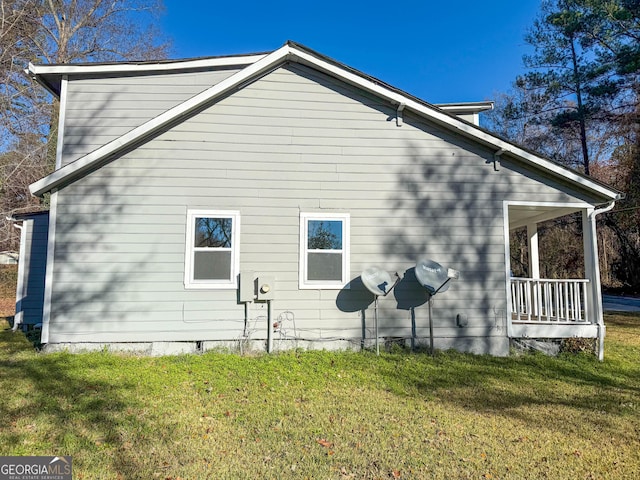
378 282
435 278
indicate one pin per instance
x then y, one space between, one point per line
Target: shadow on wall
447 207
96 254
408 294
92 269
452 202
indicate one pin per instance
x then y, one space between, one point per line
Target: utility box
247 291
266 287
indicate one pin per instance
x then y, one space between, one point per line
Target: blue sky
440 51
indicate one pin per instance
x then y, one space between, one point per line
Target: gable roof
257 66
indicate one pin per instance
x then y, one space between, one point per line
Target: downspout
597 290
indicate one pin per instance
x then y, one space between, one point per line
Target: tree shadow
76 409
526 385
451 205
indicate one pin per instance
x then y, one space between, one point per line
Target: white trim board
528 330
23 269
62 113
48 279
42 73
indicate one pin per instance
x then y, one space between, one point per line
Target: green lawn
328 415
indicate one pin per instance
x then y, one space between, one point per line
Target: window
324 250
212 256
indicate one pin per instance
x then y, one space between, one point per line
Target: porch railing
549 301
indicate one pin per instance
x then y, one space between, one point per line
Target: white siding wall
293 141
102 109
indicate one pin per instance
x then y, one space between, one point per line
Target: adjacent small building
236 200
34 233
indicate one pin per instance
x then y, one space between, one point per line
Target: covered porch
553 307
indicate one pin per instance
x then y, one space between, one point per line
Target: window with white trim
324 250
212 257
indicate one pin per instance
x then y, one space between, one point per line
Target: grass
8 280
327 415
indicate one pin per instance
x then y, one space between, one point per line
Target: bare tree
100 30
18 23
56 31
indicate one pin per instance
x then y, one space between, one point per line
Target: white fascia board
85 163
452 123
70 69
62 113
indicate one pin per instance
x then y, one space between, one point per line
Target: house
237 199
9 258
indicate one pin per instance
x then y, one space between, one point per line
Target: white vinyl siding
212 255
324 250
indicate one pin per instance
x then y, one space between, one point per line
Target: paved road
612 303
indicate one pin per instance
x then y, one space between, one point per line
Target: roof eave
50 75
295 52
466 107
460 126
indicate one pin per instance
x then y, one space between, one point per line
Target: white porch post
534 256
592 273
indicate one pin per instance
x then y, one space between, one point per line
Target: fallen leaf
346 475
396 473
324 442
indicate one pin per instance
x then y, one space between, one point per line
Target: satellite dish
433 276
377 281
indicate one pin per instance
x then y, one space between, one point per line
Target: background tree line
51 32
579 104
